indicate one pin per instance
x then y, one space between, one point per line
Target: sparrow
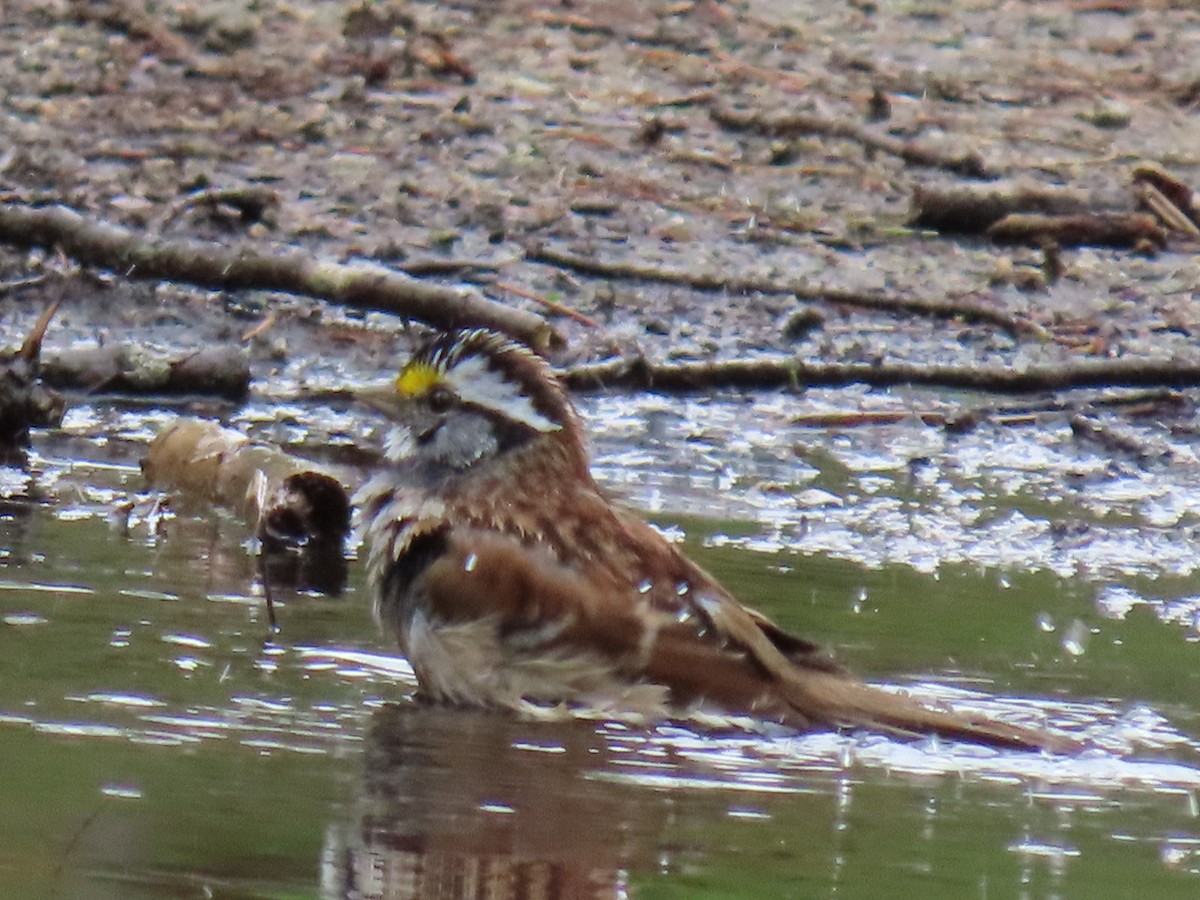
511 580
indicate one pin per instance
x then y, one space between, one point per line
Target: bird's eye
440 399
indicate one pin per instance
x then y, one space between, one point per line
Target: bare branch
795 373
207 265
222 371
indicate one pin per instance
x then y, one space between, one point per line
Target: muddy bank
472 141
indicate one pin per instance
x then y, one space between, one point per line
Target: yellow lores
417 379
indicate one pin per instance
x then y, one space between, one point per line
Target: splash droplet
1074 639
860 598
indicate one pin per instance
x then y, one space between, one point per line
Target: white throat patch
475 383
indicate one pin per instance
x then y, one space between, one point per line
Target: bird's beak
384 397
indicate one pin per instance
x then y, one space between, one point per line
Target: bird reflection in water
473 804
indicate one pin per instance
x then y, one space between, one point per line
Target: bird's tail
841 701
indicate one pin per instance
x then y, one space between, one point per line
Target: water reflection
317 568
454 804
20 498
468 804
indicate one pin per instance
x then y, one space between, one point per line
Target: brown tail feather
844 702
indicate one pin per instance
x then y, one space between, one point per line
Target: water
159 741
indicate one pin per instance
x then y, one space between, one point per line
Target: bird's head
467 397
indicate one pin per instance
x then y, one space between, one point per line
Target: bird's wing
755 676
798 685
539 609
705 648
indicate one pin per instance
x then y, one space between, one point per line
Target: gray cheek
462 440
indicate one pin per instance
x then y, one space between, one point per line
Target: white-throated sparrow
511 580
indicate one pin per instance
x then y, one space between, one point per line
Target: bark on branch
640 374
207 265
220 371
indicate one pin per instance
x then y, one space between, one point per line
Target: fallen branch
713 282
128 369
792 124
287 501
1098 229
1024 211
639 374
207 265
973 207
1156 402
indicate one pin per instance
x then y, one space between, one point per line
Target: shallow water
159 741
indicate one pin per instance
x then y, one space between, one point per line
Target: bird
511 580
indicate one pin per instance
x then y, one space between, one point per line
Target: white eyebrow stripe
475 383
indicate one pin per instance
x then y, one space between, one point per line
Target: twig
264 577
31 348
866 418
208 265
966 163
19 284
794 373
1138 403
794 82
858 418
292 504
442 59
247 204
551 305
1168 213
1167 196
713 282
268 321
